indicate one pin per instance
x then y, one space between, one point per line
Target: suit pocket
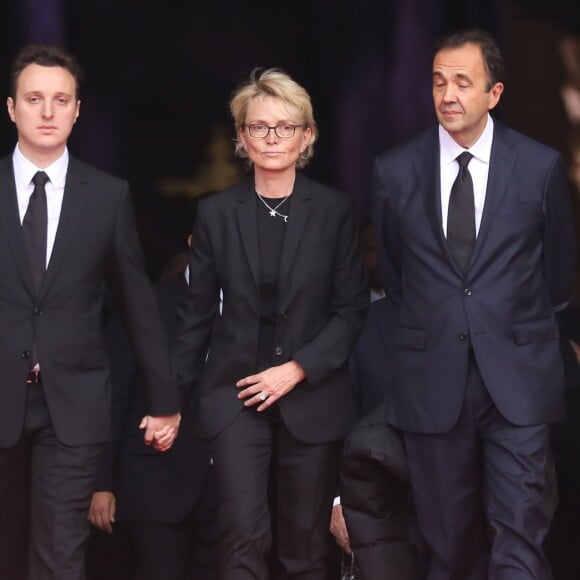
535 331
411 338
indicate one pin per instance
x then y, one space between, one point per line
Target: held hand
338 529
102 511
160 431
267 387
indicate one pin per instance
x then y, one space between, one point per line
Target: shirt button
463 336
279 351
467 292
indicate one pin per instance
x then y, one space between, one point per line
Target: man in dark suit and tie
476 243
58 251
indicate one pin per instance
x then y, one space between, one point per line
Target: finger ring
262 396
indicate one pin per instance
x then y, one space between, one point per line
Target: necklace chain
274 210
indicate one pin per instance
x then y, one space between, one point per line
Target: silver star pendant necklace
274 210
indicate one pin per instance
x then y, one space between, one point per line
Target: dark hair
44 55
492 58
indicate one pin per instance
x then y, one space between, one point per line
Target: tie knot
464 159
40 178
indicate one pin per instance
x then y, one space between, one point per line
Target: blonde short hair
276 83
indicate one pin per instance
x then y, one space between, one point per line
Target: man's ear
10 107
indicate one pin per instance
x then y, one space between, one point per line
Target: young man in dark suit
476 243
67 229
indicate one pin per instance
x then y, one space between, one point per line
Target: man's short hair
44 55
492 58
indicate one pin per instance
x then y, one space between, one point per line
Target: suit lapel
428 171
72 204
246 216
295 228
10 222
501 162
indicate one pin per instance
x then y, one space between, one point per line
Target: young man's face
44 111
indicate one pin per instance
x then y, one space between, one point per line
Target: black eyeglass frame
274 128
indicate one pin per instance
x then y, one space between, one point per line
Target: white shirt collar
25 170
481 149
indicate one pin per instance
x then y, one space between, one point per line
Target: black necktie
34 228
461 215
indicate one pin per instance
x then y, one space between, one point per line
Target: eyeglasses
261 131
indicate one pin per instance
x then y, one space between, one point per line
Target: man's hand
102 511
338 529
160 431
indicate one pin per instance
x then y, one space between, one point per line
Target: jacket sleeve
197 312
138 303
332 346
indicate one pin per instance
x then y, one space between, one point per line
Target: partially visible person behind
275 397
368 248
373 358
374 518
476 241
165 503
67 232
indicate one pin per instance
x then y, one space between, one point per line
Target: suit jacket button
467 292
26 354
37 312
279 351
283 315
463 336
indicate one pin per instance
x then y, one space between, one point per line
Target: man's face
461 92
44 111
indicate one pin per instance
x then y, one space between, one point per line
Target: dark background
159 74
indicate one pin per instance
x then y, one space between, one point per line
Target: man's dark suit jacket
322 304
520 272
96 239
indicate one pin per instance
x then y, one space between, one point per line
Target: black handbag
348 567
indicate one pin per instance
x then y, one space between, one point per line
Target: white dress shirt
24 171
478 168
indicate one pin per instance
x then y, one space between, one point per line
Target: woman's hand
267 387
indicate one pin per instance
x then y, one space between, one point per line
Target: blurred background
159 74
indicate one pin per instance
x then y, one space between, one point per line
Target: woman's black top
271 231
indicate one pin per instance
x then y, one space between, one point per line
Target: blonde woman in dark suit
275 396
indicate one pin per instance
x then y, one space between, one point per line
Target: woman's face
274 153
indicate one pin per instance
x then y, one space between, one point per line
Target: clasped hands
267 387
160 432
